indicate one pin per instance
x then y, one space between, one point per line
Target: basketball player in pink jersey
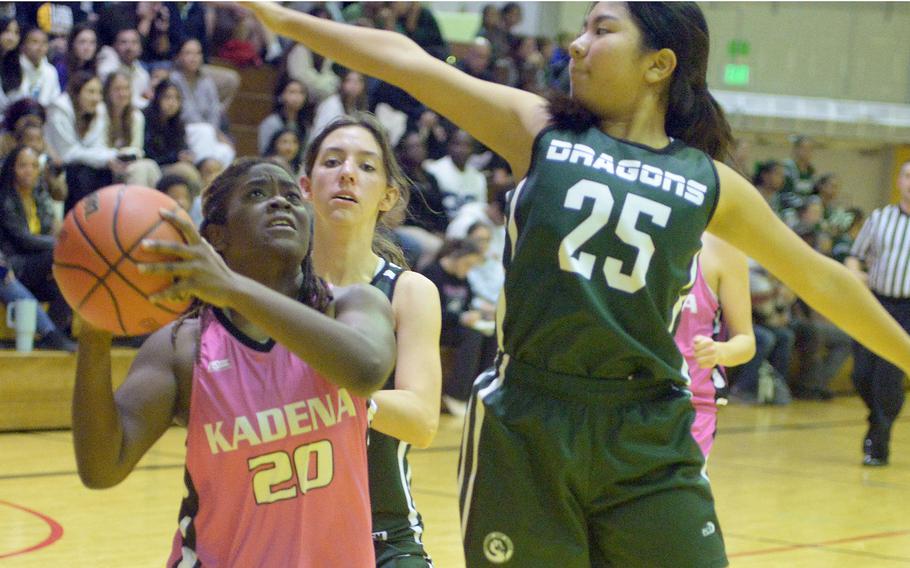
268 372
719 297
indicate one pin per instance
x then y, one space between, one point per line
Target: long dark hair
10 70
119 127
163 135
73 64
314 291
8 171
693 115
304 116
383 245
74 88
271 149
357 104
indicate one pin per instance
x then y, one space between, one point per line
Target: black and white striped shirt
884 244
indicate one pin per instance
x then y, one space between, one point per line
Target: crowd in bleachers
798 352
93 93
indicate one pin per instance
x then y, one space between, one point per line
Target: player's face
348 183
608 65
266 214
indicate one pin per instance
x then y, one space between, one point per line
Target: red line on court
818 544
56 531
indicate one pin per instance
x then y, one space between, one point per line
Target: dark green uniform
397 526
577 450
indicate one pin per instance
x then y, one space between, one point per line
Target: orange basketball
96 256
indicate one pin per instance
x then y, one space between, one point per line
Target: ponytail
693 115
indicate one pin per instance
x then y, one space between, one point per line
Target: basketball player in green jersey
354 183
577 450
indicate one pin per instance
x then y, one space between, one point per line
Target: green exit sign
736 74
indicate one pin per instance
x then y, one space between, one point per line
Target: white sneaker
457 408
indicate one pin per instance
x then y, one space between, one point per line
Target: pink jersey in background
701 316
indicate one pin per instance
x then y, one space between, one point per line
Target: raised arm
744 220
504 119
111 432
410 411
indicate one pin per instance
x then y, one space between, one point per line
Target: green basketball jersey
602 239
394 515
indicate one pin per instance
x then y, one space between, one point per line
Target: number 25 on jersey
573 259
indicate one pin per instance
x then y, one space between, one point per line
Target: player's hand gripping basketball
200 272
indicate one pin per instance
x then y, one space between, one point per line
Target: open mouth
345 197
281 222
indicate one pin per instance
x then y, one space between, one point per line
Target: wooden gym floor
789 488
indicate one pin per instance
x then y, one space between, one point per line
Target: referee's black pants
881 384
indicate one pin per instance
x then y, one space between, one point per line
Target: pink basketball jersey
701 315
276 463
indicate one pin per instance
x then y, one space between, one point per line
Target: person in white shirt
486 279
125 55
201 110
459 182
351 97
76 130
125 126
39 78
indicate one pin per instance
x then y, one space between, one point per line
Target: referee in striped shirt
883 244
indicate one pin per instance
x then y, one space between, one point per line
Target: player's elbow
371 376
749 351
97 479
426 432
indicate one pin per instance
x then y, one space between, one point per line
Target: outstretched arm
504 119
744 220
410 411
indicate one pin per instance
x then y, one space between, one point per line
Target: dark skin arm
353 346
354 350
111 432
